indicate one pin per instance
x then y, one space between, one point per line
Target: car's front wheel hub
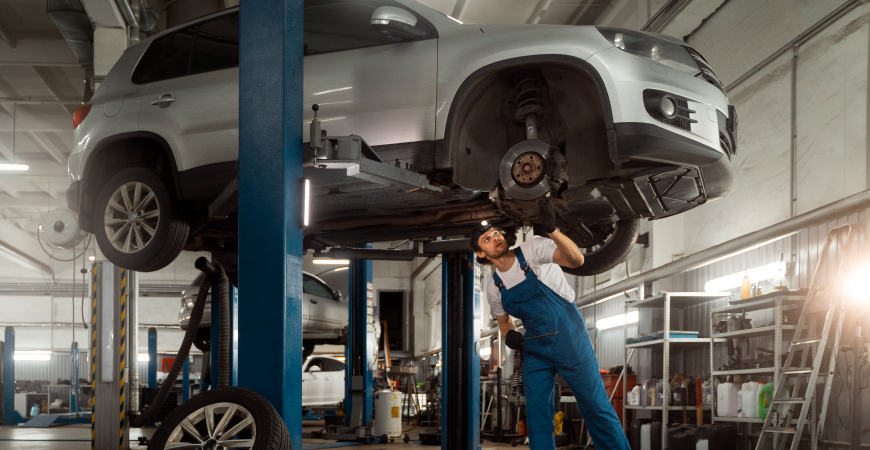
524 168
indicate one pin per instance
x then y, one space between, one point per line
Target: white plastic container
645 438
388 413
634 396
749 402
740 403
726 399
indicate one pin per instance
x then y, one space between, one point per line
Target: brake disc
523 170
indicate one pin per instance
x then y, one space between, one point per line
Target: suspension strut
529 94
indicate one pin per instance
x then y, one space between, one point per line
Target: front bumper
73 196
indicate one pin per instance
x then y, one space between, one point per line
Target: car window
314 287
150 62
217 45
336 25
331 365
315 362
176 59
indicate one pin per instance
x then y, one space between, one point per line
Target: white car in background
324 314
322 381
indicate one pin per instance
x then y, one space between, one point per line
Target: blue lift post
360 344
152 357
74 377
270 205
460 358
9 377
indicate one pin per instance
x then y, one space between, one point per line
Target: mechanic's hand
546 216
514 340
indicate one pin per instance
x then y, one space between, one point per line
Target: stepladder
808 370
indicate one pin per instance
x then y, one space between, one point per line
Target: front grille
682 120
706 71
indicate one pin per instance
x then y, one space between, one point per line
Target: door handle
164 100
313 301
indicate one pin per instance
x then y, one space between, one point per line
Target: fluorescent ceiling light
333 90
617 321
307 203
614 296
335 262
768 272
144 357
92 257
17 167
32 355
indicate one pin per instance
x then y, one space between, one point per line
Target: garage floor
78 437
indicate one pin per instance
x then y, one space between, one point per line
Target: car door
192 101
323 314
366 83
334 371
312 384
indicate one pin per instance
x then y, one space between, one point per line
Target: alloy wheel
220 426
132 217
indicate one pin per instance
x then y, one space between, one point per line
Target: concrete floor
78 437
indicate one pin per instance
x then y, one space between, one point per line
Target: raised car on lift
613 125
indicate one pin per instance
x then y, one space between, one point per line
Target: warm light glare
92 258
773 271
339 269
332 262
485 352
614 296
144 357
307 203
32 355
617 321
438 364
18 167
854 284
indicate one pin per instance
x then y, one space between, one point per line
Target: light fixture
617 320
32 355
335 262
40 227
614 296
307 203
854 284
92 258
484 223
438 364
485 352
144 357
769 272
15 167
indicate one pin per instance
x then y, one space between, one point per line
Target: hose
195 316
216 271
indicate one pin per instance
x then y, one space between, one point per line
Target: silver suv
613 125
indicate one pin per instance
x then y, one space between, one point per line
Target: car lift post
74 377
460 354
9 377
152 357
112 355
271 204
359 353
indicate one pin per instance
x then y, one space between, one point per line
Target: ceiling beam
14 193
22 248
7 36
39 200
459 9
540 10
47 147
46 186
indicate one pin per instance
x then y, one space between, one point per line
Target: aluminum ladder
817 322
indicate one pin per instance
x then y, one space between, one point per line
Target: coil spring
529 94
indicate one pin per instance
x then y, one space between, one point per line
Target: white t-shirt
538 252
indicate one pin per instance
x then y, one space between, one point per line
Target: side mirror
337 295
313 369
396 22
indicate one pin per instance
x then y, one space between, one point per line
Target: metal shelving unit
778 301
665 301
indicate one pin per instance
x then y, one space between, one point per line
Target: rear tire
143 237
612 252
267 431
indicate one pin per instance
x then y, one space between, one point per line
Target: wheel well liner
135 149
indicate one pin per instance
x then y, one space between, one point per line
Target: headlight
659 50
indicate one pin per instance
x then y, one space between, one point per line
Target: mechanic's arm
505 324
567 253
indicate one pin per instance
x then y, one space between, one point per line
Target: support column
270 178
9 377
361 344
460 358
152 357
74 378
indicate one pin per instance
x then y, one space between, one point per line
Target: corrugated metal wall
801 251
58 368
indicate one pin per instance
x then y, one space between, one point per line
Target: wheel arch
448 147
121 151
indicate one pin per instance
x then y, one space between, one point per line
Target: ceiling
41 85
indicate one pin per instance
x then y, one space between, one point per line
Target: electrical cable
39 230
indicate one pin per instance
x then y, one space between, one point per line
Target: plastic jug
765 397
634 396
749 402
679 391
34 411
726 399
660 391
740 403
644 393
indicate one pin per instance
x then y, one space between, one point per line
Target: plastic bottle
644 393
678 390
740 412
634 396
745 287
749 402
765 397
660 391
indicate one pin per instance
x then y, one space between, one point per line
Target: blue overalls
543 311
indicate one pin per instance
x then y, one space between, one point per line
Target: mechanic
528 283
